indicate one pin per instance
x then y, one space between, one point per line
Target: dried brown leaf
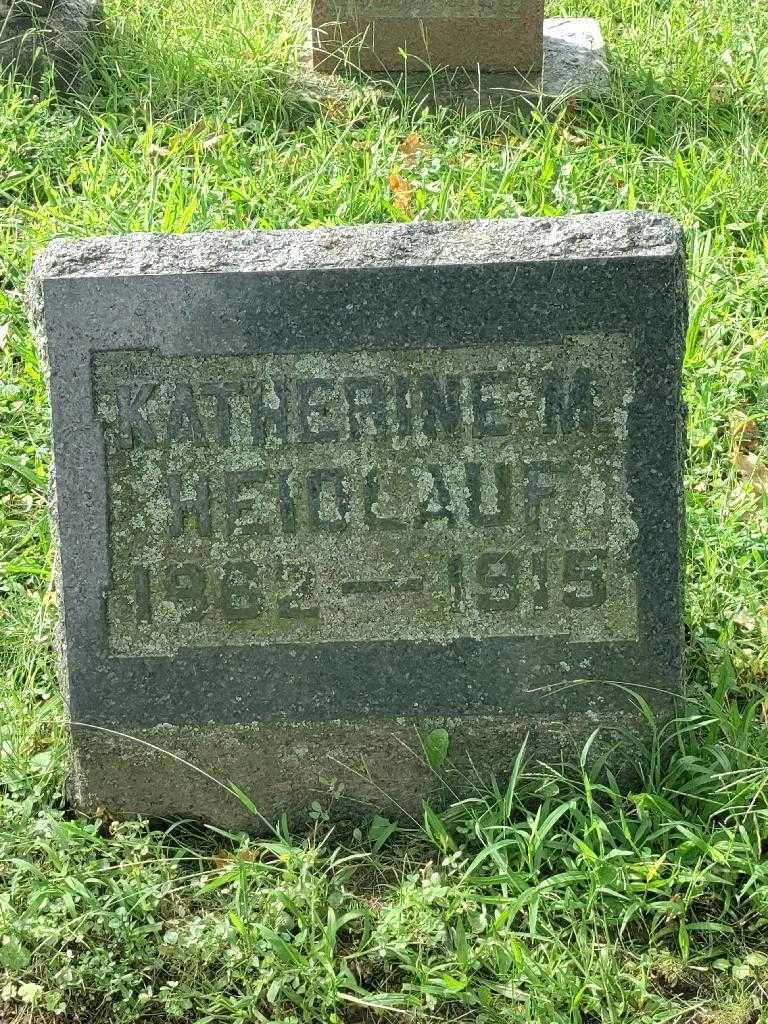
337 110
752 470
744 619
402 191
745 433
574 139
223 861
413 148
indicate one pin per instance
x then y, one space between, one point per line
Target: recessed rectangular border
439 564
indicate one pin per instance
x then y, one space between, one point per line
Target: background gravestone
497 52
320 493
35 34
497 35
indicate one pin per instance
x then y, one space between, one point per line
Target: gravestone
497 35
320 493
497 53
38 34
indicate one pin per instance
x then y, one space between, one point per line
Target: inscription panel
420 495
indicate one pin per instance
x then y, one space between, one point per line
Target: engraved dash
376 588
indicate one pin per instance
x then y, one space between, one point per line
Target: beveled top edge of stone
597 236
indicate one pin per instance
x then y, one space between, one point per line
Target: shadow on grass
268 84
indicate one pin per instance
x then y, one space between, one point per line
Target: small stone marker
319 493
496 35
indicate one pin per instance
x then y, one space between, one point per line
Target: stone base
574 65
354 770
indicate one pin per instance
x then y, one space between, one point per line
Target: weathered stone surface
374 35
35 34
318 493
575 62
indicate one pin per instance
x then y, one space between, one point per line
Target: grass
558 897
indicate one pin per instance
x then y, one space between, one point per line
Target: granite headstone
320 493
388 35
39 34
